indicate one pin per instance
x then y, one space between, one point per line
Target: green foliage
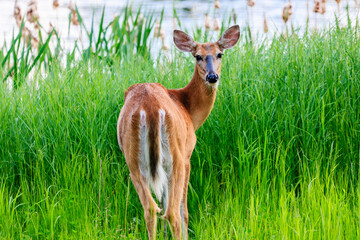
278 157
126 35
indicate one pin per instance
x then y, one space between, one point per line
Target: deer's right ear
183 41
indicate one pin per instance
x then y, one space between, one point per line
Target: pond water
190 12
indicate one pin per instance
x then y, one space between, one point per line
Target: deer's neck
198 98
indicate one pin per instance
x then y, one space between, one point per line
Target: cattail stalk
338 4
234 15
17 14
287 12
308 12
266 28
157 29
207 22
250 3
323 7
216 24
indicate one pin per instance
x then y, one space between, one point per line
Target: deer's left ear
230 37
183 41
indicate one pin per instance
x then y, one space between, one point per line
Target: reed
127 34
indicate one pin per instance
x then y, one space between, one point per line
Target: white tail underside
160 182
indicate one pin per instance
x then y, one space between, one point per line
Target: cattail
250 3
356 3
216 24
338 3
32 12
165 47
317 6
51 28
323 7
266 28
320 6
71 5
307 12
29 38
34 42
234 15
287 12
157 29
162 34
207 22
55 4
74 17
217 4
17 14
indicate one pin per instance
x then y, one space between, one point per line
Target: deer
156 132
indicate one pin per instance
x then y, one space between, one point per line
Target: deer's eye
198 57
219 55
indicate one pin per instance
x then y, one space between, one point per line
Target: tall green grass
278 157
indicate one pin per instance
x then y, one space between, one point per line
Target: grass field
278 158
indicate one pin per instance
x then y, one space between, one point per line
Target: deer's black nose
212 78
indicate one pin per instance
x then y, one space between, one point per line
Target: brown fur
185 111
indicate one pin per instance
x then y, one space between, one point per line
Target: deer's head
208 55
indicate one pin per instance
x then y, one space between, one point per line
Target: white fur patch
144 158
160 183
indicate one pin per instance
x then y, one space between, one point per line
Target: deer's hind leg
172 213
142 188
134 150
147 202
185 212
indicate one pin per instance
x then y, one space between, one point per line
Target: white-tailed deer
156 131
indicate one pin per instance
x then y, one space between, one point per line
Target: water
190 12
